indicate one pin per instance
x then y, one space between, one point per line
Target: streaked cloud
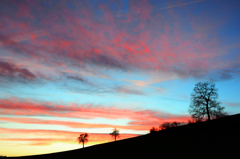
85 111
10 70
231 104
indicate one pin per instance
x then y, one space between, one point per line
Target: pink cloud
198 36
32 108
107 44
232 104
73 124
11 70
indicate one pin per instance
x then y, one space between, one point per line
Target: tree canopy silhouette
167 125
83 138
153 129
115 133
204 103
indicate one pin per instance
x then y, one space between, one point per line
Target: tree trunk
83 144
115 137
208 112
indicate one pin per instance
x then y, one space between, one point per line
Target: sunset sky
89 66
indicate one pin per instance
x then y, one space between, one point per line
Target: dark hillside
219 138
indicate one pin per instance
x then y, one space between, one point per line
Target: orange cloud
138 119
73 124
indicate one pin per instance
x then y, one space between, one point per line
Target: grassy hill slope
218 138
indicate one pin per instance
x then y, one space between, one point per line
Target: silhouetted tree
167 125
203 102
175 124
153 129
115 133
83 138
194 120
218 113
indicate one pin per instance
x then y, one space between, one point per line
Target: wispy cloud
231 104
84 111
73 124
10 70
142 48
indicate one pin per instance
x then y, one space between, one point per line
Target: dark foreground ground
218 138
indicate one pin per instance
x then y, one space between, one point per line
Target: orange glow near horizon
32 142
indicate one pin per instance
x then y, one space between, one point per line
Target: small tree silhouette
115 133
83 138
153 129
194 120
167 125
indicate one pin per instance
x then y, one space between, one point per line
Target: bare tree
203 102
83 138
115 133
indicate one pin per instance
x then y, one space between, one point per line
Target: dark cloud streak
10 70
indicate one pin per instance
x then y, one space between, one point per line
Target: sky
89 66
